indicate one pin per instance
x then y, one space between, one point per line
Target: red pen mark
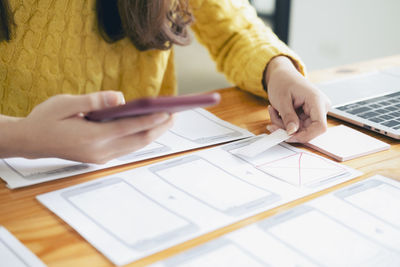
279 159
301 166
301 154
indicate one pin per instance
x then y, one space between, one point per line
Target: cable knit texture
57 49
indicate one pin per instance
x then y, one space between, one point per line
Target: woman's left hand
296 104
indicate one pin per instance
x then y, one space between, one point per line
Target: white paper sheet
14 254
192 129
132 214
355 226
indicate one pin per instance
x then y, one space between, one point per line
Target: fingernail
109 99
291 128
121 98
112 99
270 128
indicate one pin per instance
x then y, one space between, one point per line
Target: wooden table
57 244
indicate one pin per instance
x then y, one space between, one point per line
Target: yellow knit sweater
57 49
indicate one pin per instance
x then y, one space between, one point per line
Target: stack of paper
344 143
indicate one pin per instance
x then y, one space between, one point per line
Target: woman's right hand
57 128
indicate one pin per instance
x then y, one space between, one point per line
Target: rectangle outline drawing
131 156
234 133
300 210
143 244
203 249
14 252
77 167
312 184
359 187
236 211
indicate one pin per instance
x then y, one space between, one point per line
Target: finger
313 127
304 124
129 126
64 106
129 144
288 115
315 123
312 131
274 116
272 128
303 116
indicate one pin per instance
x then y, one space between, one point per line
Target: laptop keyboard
384 110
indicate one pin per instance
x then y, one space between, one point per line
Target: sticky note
344 143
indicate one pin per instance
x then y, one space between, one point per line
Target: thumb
71 105
289 118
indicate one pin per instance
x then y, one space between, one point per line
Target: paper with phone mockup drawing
14 253
192 129
358 225
135 213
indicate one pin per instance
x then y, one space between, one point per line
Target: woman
61 59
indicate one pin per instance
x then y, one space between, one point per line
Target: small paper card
344 143
262 144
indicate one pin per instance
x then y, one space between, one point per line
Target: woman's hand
57 128
296 104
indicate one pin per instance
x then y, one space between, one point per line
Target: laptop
370 100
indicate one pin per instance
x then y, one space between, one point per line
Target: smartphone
145 106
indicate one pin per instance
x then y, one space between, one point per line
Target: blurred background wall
325 33
328 33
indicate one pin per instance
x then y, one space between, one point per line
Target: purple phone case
152 105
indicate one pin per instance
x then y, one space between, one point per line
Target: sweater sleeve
239 41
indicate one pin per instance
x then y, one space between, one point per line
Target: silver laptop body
370 100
